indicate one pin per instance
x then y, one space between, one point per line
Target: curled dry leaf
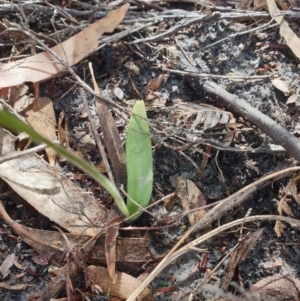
43 66
276 287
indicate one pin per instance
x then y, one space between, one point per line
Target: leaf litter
178 142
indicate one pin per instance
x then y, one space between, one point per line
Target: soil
217 48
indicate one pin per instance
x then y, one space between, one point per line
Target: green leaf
10 121
139 160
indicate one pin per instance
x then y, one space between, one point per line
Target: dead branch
239 106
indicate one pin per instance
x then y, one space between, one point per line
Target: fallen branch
239 106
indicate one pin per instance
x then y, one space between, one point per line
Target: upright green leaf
139 161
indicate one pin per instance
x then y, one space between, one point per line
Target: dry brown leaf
4 93
71 269
155 83
6 265
285 31
151 96
82 141
110 251
238 255
169 203
111 241
191 197
43 66
280 85
124 284
42 119
51 193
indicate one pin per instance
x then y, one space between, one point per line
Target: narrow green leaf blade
139 160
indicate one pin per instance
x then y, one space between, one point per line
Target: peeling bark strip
239 106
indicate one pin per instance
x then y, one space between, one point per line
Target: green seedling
139 162
138 159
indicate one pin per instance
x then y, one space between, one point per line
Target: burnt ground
131 67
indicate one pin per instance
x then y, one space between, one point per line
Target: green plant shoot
139 162
10 121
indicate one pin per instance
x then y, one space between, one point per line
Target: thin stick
22 153
96 136
211 76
